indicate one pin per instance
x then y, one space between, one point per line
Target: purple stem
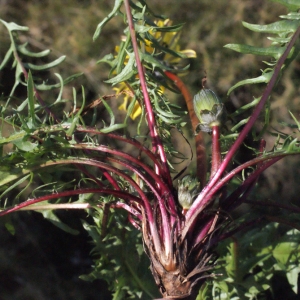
198 202
216 158
130 141
133 222
67 206
133 142
128 158
148 171
102 165
164 213
29 202
204 231
245 186
156 141
208 197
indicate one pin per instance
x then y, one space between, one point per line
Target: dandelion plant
116 172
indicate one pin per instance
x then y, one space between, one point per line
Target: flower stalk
199 138
156 142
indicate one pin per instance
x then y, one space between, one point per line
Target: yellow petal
123 106
189 53
170 39
120 88
137 110
167 22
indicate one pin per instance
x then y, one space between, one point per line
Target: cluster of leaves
282 32
253 264
42 139
159 52
121 259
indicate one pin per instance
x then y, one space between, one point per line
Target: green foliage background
41 262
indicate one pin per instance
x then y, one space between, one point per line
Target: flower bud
188 189
209 109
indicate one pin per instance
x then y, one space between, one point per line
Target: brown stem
199 139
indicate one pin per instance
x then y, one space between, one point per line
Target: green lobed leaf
161 111
10 227
15 184
22 106
293 146
292 276
11 174
126 73
284 26
275 52
61 85
141 28
291 16
245 107
110 112
296 121
116 7
47 66
13 26
144 4
278 40
239 124
122 55
47 87
30 95
283 252
108 58
112 128
12 137
7 57
138 11
75 119
25 51
265 77
24 145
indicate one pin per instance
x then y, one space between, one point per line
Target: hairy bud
188 189
209 109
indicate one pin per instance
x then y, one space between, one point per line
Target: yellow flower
128 98
169 40
165 39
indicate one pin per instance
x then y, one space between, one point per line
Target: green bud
209 109
188 190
